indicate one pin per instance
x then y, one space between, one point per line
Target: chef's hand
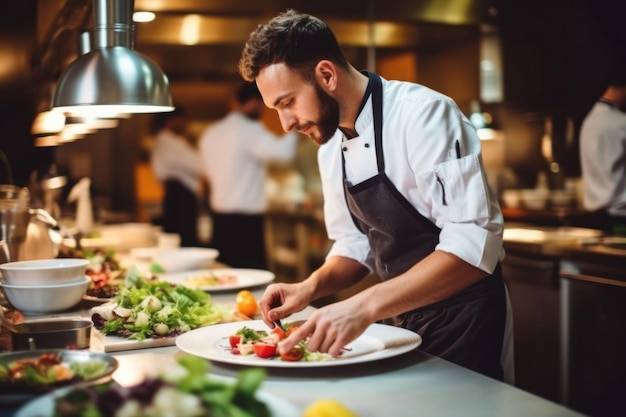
280 300
330 328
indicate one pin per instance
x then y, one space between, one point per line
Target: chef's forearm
436 278
336 274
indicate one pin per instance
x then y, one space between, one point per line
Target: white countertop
411 384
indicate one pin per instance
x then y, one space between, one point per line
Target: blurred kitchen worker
603 155
236 151
177 165
405 196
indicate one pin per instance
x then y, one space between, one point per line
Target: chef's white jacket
173 158
603 159
235 153
420 130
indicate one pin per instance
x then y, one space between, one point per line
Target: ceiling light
112 77
48 123
143 17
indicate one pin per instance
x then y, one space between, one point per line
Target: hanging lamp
112 78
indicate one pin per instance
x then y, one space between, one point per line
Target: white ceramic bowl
185 259
49 298
44 271
511 198
533 199
562 198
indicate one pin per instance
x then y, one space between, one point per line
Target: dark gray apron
467 328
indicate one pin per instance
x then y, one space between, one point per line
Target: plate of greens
30 373
194 393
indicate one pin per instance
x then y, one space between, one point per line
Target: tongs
277 322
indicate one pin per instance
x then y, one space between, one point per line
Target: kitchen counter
566 283
570 244
414 383
555 216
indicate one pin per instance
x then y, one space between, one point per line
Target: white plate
379 341
44 406
245 278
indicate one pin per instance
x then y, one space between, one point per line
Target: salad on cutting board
155 312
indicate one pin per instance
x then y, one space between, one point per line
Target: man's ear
326 76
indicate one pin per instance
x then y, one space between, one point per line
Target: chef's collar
363 118
611 104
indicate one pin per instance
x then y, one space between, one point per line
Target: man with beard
405 196
235 153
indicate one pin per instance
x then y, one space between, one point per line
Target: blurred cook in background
603 154
177 165
236 151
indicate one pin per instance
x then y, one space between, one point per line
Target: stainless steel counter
568 289
412 384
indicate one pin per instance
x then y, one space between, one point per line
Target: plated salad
42 370
209 279
194 394
105 270
264 344
143 308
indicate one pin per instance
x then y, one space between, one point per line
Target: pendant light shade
112 77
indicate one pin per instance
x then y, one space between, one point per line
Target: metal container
51 334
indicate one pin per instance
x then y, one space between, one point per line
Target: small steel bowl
51 334
18 391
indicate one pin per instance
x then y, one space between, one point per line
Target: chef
405 197
602 154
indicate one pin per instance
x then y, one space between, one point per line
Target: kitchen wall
18 27
553 62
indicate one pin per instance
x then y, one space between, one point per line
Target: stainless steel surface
112 78
532 281
51 334
25 391
593 364
376 389
14 219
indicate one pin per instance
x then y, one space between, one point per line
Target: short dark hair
296 39
248 91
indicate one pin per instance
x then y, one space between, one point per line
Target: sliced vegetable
234 340
264 350
293 355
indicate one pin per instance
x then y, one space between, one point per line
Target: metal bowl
19 391
51 334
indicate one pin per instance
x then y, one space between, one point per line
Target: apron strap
377 107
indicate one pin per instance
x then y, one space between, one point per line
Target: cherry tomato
279 332
234 340
290 330
246 303
264 350
294 355
243 294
